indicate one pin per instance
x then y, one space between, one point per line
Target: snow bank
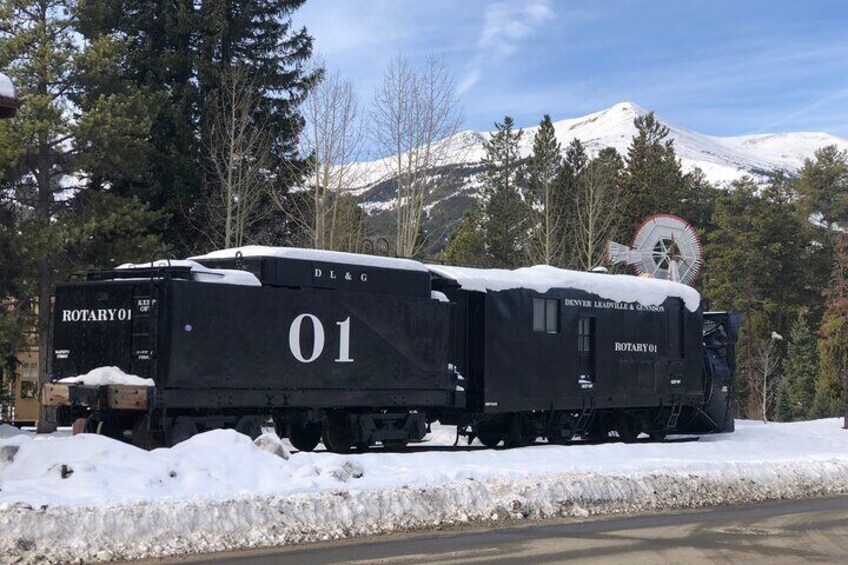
201 273
107 376
220 491
7 90
542 278
316 255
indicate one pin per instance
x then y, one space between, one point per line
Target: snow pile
7 90
542 278
93 499
201 273
318 255
107 376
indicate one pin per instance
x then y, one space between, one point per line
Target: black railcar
356 350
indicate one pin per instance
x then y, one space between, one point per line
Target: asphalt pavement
805 531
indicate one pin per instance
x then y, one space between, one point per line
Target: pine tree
833 346
74 125
573 166
753 266
181 52
823 186
504 217
544 197
466 245
653 182
796 389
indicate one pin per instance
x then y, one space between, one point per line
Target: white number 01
318 339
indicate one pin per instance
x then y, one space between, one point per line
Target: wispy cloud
505 27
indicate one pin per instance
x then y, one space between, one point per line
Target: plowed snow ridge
219 491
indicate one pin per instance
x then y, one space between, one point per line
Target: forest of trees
166 129
777 253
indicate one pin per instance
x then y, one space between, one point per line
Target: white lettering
332 274
99 315
344 341
635 347
363 277
318 338
317 274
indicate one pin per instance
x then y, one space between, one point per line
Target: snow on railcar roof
201 273
316 255
542 278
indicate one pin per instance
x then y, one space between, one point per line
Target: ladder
586 416
676 408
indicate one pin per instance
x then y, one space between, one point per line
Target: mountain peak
627 107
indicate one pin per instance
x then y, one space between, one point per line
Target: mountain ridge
721 158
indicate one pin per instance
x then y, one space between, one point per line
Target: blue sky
717 66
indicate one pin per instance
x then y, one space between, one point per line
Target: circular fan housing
664 242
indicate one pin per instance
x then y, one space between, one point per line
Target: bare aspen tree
767 361
596 211
414 111
239 158
333 140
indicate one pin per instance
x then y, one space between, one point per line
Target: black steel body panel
217 345
513 368
232 337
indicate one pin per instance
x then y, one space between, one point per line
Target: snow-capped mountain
722 159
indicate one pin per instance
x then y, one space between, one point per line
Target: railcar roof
201 273
542 278
316 255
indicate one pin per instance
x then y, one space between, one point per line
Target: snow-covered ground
89 498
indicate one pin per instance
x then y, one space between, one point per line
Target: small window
585 333
545 315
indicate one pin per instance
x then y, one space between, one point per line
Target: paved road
807 531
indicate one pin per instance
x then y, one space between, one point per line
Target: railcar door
586 352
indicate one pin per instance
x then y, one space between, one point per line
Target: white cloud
505 26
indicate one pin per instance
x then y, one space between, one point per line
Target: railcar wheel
658 435
522 433
142 436
489 439
337 436
182 429
249 426
395 444
305 437
627 428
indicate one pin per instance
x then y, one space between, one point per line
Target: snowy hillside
91 498
722 159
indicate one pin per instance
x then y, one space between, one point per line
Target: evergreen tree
833 346
653 182
754 265
573 166
544 197
823 186
75 127
796 389
504 224
466 245
182 51
698 201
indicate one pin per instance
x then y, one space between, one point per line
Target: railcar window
545 315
